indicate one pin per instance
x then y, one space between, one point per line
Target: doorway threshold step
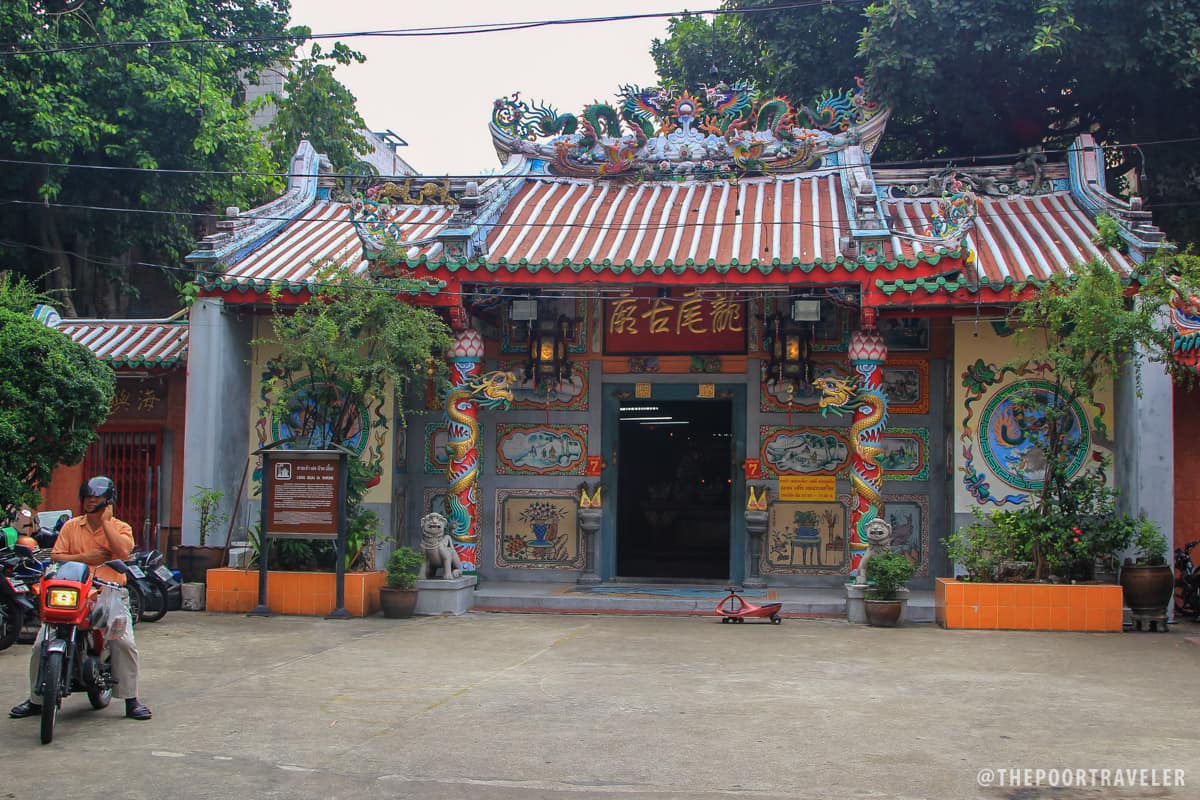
666 599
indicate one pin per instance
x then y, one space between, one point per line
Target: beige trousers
124 654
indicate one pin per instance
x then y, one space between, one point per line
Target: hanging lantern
789 351
548 363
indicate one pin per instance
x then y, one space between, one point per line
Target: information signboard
303 494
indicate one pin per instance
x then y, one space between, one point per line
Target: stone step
667 599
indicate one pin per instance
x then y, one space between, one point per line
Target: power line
12 48
1009 214
950 161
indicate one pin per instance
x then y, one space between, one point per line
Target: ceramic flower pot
882 613
397 603
1147 589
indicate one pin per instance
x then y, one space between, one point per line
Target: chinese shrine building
681 286
140 445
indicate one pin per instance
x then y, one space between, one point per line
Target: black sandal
25 709
137 711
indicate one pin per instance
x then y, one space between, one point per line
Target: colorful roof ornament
669 134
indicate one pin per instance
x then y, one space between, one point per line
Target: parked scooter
73 656
17 604
163 590
1188 581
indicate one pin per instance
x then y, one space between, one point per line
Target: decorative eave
132 344
240 233
1086 159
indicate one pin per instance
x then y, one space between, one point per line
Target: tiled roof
796 219
131 344
325 233
1015 239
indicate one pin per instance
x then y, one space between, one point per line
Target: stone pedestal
856 612
193 596
756 527
589 525
436 596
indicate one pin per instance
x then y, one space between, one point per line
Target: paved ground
508 706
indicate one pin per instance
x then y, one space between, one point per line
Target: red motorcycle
73 657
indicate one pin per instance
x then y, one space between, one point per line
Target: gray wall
218 423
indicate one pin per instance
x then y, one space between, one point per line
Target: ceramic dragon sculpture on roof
666 134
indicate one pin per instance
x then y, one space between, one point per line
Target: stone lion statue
437 550
879 541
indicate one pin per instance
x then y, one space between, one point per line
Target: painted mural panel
371 438
541 449
806 538
514 334
905 333
437 457
536 529
995 460
906 384
908 514
905 455
435 499
803 451
774 397
568 395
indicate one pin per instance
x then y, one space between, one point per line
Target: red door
132 458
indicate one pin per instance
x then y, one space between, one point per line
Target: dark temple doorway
675 462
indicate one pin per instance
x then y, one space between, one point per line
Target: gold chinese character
624 317
690 317
121 400
148 400
726 315
658 315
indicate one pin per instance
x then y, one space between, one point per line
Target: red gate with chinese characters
131 457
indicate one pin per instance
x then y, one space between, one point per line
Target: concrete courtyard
508 706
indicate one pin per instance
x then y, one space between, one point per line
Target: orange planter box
1028 607
303 593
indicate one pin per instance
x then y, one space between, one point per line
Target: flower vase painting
538 529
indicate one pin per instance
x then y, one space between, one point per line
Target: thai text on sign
302 497
694 322
813 488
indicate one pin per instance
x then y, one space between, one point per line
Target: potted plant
886 573
398 597
195 562
1147 582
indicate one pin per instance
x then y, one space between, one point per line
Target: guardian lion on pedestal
436 548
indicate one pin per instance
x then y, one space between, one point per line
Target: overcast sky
436 92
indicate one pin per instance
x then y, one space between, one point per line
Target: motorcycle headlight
63 598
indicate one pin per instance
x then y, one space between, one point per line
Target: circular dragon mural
1012 422
302 412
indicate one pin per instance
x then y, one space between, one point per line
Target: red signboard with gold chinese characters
684 321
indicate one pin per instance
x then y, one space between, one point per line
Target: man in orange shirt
93 538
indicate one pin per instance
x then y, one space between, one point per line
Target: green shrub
403 567
887 574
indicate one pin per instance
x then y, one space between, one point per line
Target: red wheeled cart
735 608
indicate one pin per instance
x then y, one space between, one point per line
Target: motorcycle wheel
154 605
99 698
136 602
50 699
11 620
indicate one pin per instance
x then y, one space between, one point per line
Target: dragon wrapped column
867 354
462 471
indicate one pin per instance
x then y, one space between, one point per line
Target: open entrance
675 474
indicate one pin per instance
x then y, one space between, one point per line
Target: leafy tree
983 77
169 106
317 107
53 395
1085 330
353 339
